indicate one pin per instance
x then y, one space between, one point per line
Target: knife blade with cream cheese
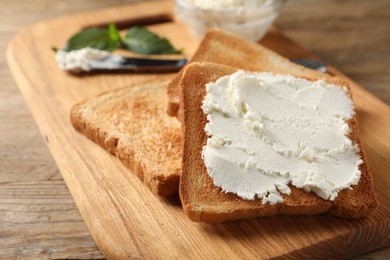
88 59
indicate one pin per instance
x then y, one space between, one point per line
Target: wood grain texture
31 189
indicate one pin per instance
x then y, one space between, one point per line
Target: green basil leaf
141 40
113 33
98 38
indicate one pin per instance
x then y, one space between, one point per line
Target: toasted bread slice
230 49
203 201
132 124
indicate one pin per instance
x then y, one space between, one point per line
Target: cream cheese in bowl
250 18
228 4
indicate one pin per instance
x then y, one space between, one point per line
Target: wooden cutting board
124 217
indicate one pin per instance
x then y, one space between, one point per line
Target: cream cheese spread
249 18
80 60
266 131
228 4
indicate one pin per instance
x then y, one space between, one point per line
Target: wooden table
38 217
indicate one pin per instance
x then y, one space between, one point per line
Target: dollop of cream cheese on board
266 131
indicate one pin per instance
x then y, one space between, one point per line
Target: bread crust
203 201
131 124
230 49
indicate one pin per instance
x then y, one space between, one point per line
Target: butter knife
87 60
116 62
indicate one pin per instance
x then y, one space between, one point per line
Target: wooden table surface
38 217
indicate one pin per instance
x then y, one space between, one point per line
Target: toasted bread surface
230 49
131 123
203 201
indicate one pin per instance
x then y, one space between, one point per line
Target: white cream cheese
228 4
266 131
249 18
80 60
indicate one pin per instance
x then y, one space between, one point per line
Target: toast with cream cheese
203 201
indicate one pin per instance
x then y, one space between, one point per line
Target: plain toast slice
203 201
132 124
230 49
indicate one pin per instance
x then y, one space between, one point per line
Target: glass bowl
251 22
